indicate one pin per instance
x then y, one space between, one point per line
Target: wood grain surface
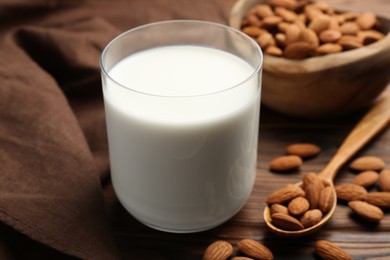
137 241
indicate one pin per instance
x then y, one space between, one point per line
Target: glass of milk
182 105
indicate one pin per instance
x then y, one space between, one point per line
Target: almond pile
298 29
367 205
251 249
296 208
296 153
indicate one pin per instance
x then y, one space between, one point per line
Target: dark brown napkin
51 199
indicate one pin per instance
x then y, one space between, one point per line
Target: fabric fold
50 187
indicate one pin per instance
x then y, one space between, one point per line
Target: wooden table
137 241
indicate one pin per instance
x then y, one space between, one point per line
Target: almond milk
182 126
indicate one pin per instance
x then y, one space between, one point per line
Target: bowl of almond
319 62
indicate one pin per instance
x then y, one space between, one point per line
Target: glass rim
256 69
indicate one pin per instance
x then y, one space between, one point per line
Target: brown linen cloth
53 147
50 188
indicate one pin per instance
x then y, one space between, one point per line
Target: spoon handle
371 124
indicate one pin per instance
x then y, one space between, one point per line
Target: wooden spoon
369 126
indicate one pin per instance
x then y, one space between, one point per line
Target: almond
253 31
311 217
321 5
349 16
254 249
366 211
367 163
219 250
370 36
298 206
330 251
263 10
303 150
265 40
279 208
313 186
379 199
286 222
330 35
350 192
285 163
271 21
349 28
299 50
286 15
334 24
282 27
302 17
288 4
384 180
312 12
326 199
309 36
285 194
366 178
280 39
329 48
293 33
274 51
350 42
366 20
253 20
319 23
241 258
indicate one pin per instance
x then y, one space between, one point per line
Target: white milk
182 160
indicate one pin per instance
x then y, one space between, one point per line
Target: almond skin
370 36
384 180
329 36
366 211
311 217
366 20
285 163
329 48
288 4
284 195
350 192
326 199
299 50
219 250
349 28
298 206
366 179
293 33
278 208
263 10
254 249
379 199
286 222
313 186
319 24
367 163
349 44
253 31
309 36
303 150
330 251
241 258
265 40
274 51
286 15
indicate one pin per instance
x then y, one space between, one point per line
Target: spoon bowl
376 119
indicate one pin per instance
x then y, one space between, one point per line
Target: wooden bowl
325 86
